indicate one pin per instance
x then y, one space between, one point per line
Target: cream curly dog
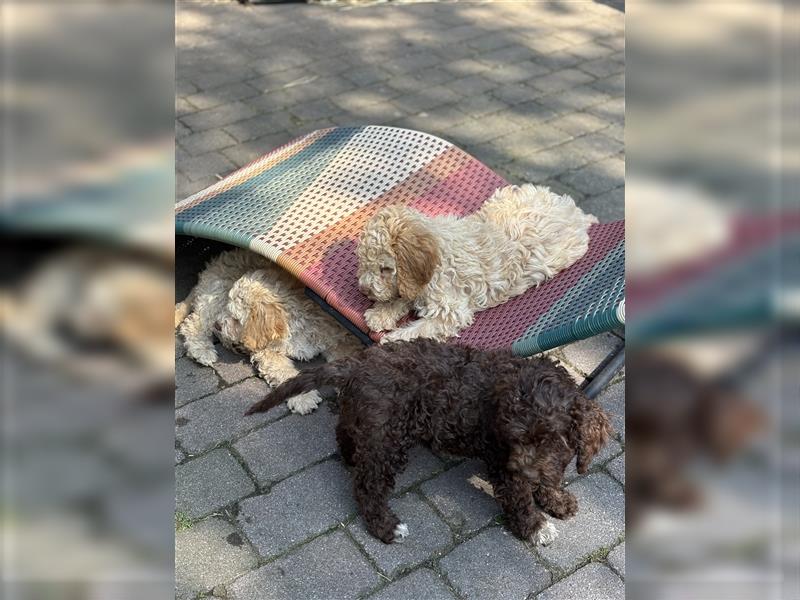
446 268
256 308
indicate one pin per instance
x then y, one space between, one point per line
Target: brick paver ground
536 91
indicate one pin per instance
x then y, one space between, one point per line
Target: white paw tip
400 532
303 404
546 535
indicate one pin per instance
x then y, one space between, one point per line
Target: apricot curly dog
525 418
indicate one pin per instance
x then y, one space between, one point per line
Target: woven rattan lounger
304 205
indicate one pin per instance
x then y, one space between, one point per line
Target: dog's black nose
217 326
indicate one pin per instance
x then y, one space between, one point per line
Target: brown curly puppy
524 417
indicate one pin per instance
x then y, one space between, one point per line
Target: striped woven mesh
305 204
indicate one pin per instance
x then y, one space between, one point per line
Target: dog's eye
387 270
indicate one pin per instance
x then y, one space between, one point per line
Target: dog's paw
546 534
304 403
398 335
205 356
378 320
400 533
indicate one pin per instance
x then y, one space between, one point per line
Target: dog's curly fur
446 268
253 307
525 418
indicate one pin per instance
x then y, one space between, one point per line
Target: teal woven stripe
596 293
594 324
255 205
212 231
738 295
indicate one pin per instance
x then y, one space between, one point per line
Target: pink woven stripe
500 326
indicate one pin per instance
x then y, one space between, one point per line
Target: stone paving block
298 508
206 165
437 120
280 79
527 112
598 177
232 367
465 67
328 568
422 583
435 76
503 57
575 99
183 87
590 51
208 554
421 464
380 113
355 100
472 84
181 130
465 507
491 41
411 63
183 107
428 537
216 78
547 45
597 146
180 349
274 124
185 187
599 523
603 67
579 123
208 483
594 581
426 99
222 95
612 399
207 141
613 86
586 354
616 558
612 448
561 80
481 104
515 94
220 116
193 381
243 154
367 75
482 130
279 449
520 144
617 468
515 73
608 206
317 109
611 110
493 565
220 417
544 165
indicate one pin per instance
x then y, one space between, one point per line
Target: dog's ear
417 257
266 322
590 431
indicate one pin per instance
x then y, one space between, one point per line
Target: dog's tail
334 374
591 429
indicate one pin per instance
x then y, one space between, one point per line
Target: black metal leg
363 337
604 373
